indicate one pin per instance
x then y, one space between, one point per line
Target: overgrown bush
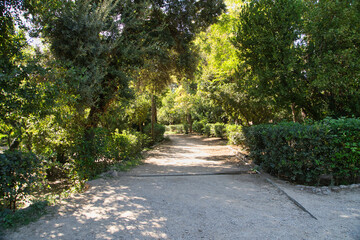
207 130
104 149
305 152
159 131
198 127
219 130
175 128
234 134
186 128
9 219
18 171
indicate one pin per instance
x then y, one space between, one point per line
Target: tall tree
266 37
332 56
22 95
177 22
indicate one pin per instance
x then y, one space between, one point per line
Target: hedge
179 128
234 134
305 153
159 131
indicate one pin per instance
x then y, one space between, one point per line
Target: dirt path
196 207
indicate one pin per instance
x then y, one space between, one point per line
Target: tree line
266 61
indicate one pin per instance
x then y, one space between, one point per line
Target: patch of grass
10 219
127 165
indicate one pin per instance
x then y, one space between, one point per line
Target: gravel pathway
243 206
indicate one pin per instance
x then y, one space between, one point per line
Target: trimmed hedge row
306 153
230 131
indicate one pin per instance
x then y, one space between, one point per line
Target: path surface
196 207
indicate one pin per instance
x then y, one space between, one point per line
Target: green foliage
168 113
234 134
332 57
298 56
138 111
178 128
18 172
270 65
207 130
9 219
105 149
219 130
159 131
198 127
186 128
304 152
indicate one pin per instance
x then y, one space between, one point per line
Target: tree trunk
303 114
293 112
189 120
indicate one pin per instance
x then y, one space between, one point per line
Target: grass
127 165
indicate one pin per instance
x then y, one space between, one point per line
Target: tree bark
189 120
293 112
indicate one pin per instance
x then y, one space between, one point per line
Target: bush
175 128
305 152
234 134
186 128
219 130
159 131
207 130
104 149
198 127
18 171
9 219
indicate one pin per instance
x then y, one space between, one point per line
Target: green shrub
234 134
9 219
219 130
198 127
207 130
176 128
159 131
105 149
304 152
186 128
18 171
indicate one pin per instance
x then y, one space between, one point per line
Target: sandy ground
240 206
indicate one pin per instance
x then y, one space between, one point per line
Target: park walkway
149 203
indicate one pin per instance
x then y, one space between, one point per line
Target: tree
266 38
97 50
217 79
177 22
23 94
332 55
